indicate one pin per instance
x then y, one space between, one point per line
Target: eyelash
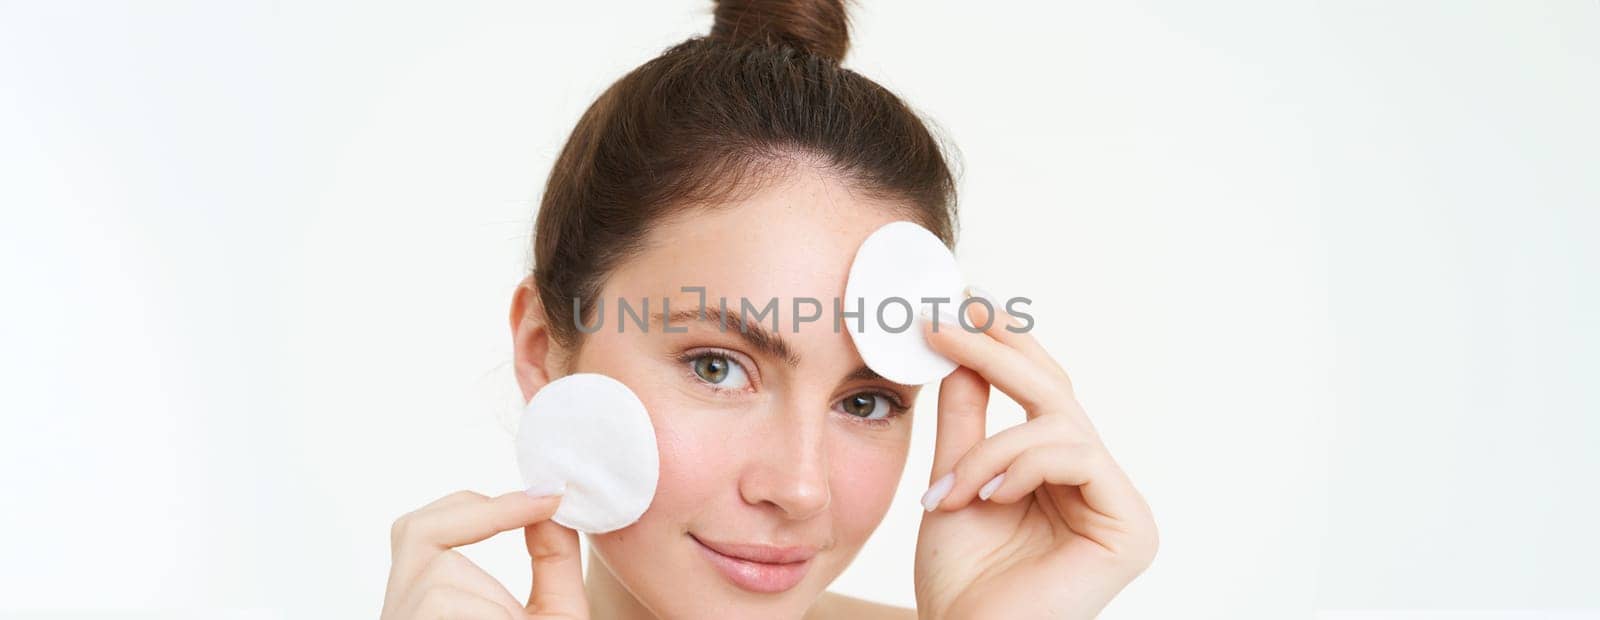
897 406
688 358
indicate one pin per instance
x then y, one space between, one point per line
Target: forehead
793 238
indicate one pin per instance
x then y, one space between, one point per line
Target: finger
399 532
454 499
455 570
963 403
1087 466
1035 388
557 571
980 305
990 457
448 602
420 535
473 521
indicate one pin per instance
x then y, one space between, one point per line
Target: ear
536 357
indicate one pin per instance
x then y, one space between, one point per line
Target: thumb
557 571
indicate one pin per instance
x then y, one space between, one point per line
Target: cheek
700 459
689 471
864 476
693 470
692 479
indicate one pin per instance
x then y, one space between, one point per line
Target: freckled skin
780 463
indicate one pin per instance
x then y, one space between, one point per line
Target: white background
1323 274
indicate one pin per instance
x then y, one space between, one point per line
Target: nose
789 464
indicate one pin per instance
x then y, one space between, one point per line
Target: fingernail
546 489
989 487
937 491
975 291
949 317
995 309
945 319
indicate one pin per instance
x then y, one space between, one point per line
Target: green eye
719 370
866 405
712 368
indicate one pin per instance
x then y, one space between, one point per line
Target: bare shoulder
832 605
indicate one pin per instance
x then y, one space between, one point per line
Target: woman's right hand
428 578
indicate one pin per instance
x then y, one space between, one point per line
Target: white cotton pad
906 261
590 431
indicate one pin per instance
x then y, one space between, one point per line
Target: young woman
748 162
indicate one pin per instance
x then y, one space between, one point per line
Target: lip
758 568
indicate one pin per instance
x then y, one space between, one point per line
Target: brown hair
713 117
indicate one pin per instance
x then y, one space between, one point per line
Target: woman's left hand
1036 521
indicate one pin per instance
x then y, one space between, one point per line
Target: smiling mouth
758 568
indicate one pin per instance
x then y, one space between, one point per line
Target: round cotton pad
901 260
592 432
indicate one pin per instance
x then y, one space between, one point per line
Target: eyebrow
754 334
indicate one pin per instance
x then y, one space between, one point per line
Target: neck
608 598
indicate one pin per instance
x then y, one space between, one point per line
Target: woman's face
776 441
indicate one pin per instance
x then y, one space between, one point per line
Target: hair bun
819 27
